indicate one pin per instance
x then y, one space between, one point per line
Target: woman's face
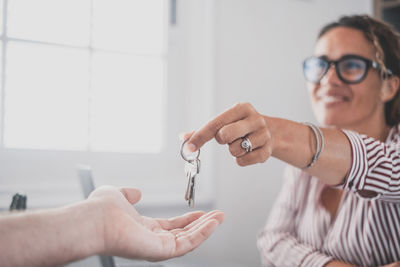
335 103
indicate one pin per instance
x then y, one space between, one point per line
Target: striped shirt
364 232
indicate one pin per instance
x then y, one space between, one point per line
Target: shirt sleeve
375 168
277 242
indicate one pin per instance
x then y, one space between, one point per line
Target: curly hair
386 41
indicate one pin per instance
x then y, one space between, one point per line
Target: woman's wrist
272 128
283 133
338 264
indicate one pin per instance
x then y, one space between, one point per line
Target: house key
192 168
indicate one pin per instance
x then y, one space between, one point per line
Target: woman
340 202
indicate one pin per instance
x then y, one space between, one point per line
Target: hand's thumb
131 194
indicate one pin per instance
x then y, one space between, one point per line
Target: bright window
108 84
85 75
53 21
45 97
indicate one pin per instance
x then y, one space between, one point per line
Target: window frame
49 177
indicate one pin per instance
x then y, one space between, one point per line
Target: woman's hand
128 234
242 120
289 141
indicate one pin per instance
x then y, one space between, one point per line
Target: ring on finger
246 144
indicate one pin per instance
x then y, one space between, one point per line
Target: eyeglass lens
352 70
349 69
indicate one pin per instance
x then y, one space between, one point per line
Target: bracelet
320 142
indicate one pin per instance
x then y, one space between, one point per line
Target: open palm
131 235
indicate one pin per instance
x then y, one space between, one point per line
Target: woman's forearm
339 264
51 237
295 144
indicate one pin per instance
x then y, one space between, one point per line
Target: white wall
260 45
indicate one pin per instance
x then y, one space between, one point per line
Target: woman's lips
330 100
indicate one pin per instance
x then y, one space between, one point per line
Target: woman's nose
331 76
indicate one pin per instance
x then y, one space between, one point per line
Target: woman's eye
321 64
318 64
353 65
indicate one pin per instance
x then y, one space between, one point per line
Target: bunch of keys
192 168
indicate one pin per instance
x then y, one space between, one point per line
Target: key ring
183 154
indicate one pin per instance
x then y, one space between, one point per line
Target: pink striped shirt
365 231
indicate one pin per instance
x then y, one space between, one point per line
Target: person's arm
338 264
361 164
294 143
106 223
50 237
287 140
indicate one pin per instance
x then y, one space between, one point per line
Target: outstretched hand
239 121
131 235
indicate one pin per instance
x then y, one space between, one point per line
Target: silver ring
246 144
185 157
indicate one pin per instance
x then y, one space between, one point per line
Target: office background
237 51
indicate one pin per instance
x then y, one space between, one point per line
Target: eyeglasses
350 69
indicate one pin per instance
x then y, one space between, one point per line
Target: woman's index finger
210 129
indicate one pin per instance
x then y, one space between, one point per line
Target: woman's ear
390 88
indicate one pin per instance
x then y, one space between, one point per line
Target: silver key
191 199
192 168
191 193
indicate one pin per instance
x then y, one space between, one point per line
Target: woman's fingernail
191 147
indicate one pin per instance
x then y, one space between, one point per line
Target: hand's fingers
180 221
218 215
233 131
207 132
204 218
257 139
215 213
256 156
133 195
173 246
197 233
189 242
185 136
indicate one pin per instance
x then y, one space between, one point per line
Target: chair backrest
85 179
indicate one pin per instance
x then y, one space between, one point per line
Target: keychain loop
184 156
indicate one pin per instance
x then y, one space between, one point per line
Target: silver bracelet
320 142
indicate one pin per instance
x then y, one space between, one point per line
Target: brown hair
386 41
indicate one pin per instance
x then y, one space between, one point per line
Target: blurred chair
87 184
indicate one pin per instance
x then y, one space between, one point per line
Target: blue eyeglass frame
368 63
